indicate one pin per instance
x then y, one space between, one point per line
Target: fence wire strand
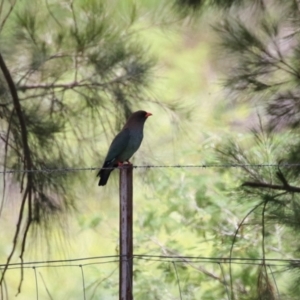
162 258
199 166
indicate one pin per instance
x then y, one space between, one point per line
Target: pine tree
260 44
67 68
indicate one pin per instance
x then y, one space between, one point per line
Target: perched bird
124 145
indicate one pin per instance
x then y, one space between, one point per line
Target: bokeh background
221 79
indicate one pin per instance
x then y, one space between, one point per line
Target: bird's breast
135 140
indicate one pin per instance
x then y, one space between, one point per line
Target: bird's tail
104 174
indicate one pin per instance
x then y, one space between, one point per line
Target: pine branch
71 85
27 165
19 112
287 188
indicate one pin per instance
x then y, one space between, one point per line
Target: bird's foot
121 164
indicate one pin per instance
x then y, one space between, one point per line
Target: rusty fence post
126 236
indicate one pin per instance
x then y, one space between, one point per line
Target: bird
124 145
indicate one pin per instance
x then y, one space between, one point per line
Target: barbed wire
200 166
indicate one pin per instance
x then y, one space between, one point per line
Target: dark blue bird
124 145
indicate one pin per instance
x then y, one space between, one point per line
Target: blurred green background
177 211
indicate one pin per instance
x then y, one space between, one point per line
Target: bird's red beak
148 114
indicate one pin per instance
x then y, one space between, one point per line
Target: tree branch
71 85
19 112
27 162
287 188
12 5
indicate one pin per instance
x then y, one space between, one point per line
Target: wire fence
96 277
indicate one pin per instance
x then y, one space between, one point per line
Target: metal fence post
125 242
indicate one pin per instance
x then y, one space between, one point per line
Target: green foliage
262 70
79 71
190 6
76 66
81 67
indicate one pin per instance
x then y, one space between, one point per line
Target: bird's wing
118 145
